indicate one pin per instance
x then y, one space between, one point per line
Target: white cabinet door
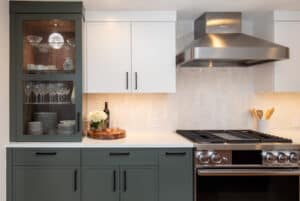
287 72
153 57
108 57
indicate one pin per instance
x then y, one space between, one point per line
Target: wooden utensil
253 113
269 113
260 114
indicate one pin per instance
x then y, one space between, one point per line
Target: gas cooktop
230 136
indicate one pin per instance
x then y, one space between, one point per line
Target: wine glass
66 91
35 91
51 92
59 91
28 91
42 92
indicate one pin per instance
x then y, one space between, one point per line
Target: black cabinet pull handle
136 80
175 153
125 180
119 153
45 153
115 181
78 121
127 81
75 180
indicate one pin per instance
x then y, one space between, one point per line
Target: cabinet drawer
47 157
119 157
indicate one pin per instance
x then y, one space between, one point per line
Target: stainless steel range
242 165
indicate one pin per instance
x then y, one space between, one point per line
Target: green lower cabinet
100 175
46 184
119 183
176 175
100 183
139 184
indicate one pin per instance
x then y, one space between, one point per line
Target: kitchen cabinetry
108 57
45 71
126 175
92 174
119 183
130 54
153 63
176 175
46 184
283 28
287 72
100 182
42 176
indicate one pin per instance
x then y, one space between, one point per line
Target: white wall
4 90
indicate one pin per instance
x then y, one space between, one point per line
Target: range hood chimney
218 42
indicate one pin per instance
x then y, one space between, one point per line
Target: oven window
247 188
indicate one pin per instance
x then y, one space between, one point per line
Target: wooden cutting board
107 134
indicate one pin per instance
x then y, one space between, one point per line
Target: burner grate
230 136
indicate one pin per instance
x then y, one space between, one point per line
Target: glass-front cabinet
46 71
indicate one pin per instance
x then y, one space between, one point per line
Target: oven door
247 185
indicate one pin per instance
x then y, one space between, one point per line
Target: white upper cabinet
108 57
130 52
153 57
287 72
281 76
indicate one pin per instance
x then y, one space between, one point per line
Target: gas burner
230 136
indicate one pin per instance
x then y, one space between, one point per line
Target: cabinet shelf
48 103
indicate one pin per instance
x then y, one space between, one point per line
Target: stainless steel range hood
219 42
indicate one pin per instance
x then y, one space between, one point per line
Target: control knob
282 157
216 158
270 157
202 157
293 157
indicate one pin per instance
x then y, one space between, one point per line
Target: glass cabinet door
49 68
49 108
49 46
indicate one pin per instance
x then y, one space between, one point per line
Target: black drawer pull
115 181
75 180
175 153
45 153
125 181
119 153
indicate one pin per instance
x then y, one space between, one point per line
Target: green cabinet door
138 183
176 175
100 184
46 184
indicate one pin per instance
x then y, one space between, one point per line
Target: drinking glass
36 92
28 91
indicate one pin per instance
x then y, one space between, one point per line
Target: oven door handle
248 172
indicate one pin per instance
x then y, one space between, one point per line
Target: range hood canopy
219 42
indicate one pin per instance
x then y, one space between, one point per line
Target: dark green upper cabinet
45 71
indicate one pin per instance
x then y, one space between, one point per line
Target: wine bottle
106 110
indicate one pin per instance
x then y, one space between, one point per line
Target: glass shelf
49 103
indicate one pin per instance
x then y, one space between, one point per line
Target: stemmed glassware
28 91
51 93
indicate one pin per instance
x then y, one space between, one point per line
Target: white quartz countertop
132 140
291 133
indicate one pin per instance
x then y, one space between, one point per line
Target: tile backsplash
206 98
